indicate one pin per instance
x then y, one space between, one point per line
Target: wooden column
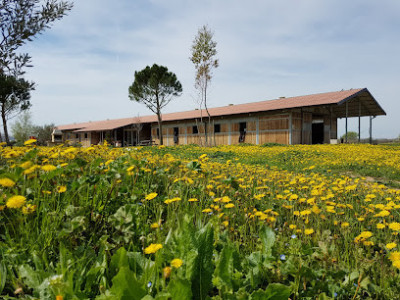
359 120
347 111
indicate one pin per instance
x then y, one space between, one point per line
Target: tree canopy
155 87
20 22
14 98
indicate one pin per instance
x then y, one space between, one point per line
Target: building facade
310 119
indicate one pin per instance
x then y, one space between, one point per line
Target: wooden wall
274 128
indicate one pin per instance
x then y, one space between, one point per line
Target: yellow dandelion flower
390 246
16 201
168 201
395 255
229 205
28 209
152 248
396 264
154 226
29 142
292 226
382 213
207 210
61 189
176 263
368 243
25 165
315 209
394 226
6 182
380 226
193 200
151 196
48 168
345 224
308 231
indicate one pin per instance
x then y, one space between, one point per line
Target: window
86 135
242 126
217 128
176 135
77 136
195 129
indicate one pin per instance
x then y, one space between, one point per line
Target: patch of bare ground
394 184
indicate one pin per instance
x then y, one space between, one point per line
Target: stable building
310 119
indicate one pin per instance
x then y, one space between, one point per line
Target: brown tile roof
370 107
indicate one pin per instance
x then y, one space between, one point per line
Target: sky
84 64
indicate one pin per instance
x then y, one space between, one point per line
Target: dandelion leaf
180 289
267 237
126 287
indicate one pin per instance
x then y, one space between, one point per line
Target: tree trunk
160 127
3 116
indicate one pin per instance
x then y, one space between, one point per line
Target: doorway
176 135
317 132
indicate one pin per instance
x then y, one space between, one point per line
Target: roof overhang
360 104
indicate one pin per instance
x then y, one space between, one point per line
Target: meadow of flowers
185 222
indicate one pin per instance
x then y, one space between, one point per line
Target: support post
347 112
301 130
370 129
290 130
359 120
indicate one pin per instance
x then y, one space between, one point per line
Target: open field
231 222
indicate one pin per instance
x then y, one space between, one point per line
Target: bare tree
138 126
204 50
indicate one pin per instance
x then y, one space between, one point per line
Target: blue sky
85 63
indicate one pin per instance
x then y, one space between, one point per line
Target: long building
310 119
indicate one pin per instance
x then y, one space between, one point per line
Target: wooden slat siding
274 137
224 127
95 138
234 138
274 124
307 128
296 137
296 115
251 126
235 127
296 124
221 139
282 116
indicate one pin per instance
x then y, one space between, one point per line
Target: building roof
358 102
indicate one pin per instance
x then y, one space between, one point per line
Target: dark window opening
176 135
77 136
86 135
195 129
217 128
242 130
